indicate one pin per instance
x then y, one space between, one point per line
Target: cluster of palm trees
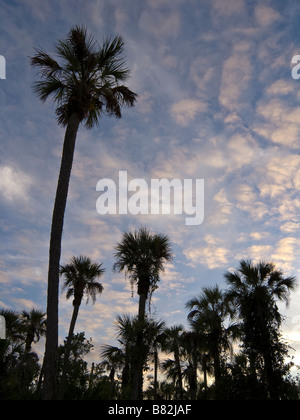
233 349
234 344
86 81
18 362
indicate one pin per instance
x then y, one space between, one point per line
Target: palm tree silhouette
142 256
34 325
80 275
125 358
254 290
208 315
86 84
113 360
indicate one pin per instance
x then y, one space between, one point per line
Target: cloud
24 303
160 23
247 200
258 236
280 87
224 209
265 15
214 255
236 75
4 278
282 173
14 184
290 227
259 253
279 121
243 150
228 8
285 252
186 110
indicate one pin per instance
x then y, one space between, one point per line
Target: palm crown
143 255
88 80
80 277
261 283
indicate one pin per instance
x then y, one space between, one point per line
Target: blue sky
216 102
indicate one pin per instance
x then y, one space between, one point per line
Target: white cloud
290 227
280 87
228 8
214 255
186 110
280 175
285 252
160 23
259 253
258 236
243 151
4 277
266 15
224 209
281 122
236 75
211 257
247 200
14 184
24 303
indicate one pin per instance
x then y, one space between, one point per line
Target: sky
217 102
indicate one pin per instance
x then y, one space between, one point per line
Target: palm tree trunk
137 386
50 359
28 342
91 380
217 372
204 368
179 373
68 351
142 307
155 373
194 383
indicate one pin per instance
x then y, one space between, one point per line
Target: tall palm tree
142 256
34 325
80 275
208 316
254 290
85 83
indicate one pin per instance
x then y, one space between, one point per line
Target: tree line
234 348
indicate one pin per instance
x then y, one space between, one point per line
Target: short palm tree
142 256
80 280
85 83
34 324
113 359
208 315
171 343
128 329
